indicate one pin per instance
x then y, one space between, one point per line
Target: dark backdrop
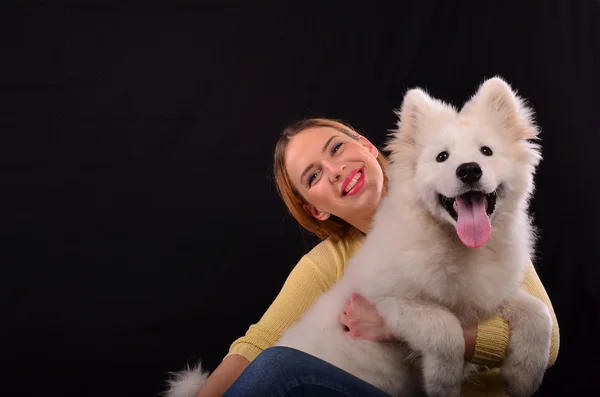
139 224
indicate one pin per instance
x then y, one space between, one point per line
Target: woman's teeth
353 182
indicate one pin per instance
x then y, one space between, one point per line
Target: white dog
447 249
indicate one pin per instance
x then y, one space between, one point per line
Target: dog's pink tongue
473 226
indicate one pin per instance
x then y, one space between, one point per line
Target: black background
139 224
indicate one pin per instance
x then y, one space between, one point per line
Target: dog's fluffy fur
188 382
423 279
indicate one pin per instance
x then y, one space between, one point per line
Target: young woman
315 160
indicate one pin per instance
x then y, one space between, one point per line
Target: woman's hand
362 321
470 335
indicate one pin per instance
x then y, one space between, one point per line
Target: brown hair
333 227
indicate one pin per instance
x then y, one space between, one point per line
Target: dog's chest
471 290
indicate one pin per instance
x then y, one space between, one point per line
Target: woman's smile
353 183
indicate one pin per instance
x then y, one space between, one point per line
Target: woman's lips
357 179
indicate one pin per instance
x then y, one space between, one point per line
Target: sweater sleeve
314 274
493 334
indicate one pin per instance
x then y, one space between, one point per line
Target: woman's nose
335 170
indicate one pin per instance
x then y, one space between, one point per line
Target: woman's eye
312 178
336 147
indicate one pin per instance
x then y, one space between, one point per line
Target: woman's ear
320 215
367 144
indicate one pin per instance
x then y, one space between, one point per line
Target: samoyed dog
447 249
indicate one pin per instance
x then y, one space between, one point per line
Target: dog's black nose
469 172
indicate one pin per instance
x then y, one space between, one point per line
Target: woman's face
335 174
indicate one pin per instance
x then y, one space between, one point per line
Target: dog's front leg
529 346
437 334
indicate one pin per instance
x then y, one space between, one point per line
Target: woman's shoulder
331 255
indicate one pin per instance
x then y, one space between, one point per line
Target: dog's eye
486 151
443 156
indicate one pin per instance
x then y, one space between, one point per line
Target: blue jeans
285 372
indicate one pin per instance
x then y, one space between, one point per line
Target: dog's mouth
451 204
472 211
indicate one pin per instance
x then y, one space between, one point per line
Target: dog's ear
420 114
500 106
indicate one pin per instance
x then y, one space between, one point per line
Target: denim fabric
285 372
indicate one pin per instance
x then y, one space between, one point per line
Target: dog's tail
187 382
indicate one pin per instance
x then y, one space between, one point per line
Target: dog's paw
187 382
529 347
523 372
521 381
441 379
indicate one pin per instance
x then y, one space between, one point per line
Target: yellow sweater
324 265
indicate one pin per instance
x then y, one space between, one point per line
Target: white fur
425 283
187 383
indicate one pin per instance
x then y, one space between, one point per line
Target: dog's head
467 165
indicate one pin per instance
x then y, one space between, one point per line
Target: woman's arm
224 376
303 285
314 274
485 344
362 321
